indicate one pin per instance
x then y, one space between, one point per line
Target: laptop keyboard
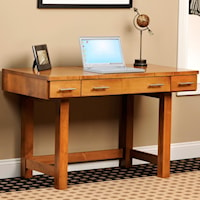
124 70
117 70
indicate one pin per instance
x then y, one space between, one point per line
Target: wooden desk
62 83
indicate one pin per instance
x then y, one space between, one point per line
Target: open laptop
104 55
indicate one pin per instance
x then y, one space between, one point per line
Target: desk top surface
77 73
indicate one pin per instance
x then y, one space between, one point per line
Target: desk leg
126 130
26 134
164 135
61 145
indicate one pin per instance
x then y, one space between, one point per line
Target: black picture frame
41 57
84 4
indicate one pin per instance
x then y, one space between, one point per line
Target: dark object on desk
140 63
41 56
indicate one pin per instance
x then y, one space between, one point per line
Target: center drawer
146 85
101 87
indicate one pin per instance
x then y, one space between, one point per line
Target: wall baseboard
10 168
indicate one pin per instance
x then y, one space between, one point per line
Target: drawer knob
66 89
156 85
185 83
101 88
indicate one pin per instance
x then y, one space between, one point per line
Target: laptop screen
101 51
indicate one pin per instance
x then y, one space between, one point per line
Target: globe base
140 63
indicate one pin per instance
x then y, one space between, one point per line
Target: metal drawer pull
185 83
101 88
66 89
156 85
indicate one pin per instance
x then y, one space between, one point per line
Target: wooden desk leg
26 134
164 136
126 130
61 145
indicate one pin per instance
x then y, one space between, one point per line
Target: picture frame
84 4
194 7
41 57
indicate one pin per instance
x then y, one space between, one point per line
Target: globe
142 20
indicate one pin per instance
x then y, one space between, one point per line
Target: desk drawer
184 83
101 87
61 89
146 85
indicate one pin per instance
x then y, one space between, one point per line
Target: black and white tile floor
96 175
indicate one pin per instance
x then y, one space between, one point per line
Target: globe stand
140 62
141 22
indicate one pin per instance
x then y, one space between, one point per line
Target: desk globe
141 22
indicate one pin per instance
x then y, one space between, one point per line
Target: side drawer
146 85
61 89
184 83
101 87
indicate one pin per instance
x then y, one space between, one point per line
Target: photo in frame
84 4
41 56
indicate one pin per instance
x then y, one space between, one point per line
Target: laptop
104 55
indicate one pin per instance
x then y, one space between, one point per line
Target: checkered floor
96 175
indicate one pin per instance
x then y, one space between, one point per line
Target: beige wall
93 121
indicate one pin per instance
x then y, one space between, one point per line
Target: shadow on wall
9 124
24 60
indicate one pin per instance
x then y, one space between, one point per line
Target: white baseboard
10 168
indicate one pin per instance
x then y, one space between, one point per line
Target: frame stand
34 64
